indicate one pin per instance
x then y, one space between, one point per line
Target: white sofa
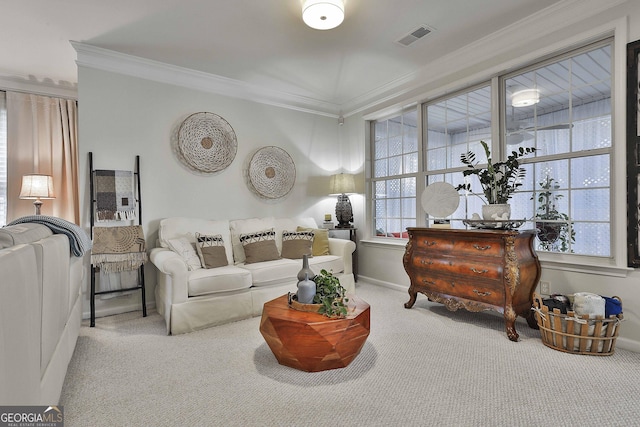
40 313
197 298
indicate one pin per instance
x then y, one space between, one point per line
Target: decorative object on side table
328 224
498 180
554 227
341 184
37 186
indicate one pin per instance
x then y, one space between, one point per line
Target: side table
333 232
312 342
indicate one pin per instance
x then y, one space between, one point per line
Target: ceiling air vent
414 35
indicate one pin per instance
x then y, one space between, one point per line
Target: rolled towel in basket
588 303
612 306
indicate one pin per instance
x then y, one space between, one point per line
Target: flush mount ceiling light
525 98
323 14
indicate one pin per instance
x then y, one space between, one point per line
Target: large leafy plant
498 180
330 293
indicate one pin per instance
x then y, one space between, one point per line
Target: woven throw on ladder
115 199
118 249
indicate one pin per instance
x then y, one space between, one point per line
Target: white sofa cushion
247 226
218 280
269 273
172 228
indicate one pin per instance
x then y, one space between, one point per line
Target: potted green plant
330 294
554 227
498 180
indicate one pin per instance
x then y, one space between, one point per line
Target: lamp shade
342 183
323 14
37 186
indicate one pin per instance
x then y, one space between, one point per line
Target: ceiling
257 42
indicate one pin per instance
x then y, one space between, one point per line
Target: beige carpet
420 367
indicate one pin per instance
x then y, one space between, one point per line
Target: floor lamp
36 186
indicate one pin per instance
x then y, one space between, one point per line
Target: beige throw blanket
118 248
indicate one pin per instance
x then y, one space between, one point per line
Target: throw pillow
211 250
320 240
296 243
184 248
259 246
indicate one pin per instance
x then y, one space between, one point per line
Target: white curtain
42 137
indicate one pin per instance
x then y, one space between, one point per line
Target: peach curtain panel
42 137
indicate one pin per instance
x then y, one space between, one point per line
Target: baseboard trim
381 283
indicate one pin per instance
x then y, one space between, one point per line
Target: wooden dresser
475 270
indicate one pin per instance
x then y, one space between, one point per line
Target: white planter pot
496 212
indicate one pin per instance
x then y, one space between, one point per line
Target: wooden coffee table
313 342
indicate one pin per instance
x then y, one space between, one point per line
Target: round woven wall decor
272 172
207 142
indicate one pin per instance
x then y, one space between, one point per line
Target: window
3 160
456 125
569 123
561 106
395 169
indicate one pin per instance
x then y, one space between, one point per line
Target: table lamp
36 186
341 184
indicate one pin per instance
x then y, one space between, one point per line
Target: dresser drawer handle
482 294
475 270
423 262
426 242
482 248
428 282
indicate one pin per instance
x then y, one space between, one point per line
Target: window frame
615 265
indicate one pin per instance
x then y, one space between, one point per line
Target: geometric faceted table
312 342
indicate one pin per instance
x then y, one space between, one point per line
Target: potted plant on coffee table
499 180
554 227
330 294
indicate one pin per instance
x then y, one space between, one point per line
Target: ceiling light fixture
323 14
525 98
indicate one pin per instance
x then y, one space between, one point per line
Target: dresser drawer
472 268
488 291
464 247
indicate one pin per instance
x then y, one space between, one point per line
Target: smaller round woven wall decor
207 142
272 172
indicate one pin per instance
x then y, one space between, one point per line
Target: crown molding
108 60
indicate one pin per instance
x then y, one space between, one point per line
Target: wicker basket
576 334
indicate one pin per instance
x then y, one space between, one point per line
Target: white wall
382 262
121 117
